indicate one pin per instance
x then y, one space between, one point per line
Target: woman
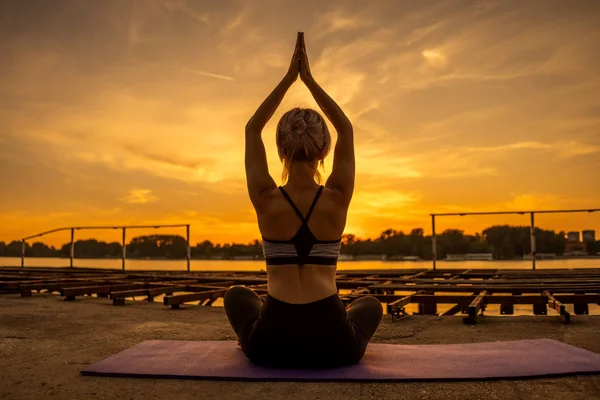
302 322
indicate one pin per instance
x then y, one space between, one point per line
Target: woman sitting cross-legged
302 322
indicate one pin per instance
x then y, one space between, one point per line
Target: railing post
22 253
188 250
123 251
532 238
433 241
72 251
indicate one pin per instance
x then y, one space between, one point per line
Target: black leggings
321 334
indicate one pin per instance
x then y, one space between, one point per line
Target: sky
122 112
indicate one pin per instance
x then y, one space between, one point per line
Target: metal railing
531 228
124 244
187 226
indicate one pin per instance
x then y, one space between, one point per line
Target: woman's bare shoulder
264 202
337 198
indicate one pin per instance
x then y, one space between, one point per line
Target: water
249 265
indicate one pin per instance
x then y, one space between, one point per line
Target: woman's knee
370 303
237 293
366 313
375 308
375 304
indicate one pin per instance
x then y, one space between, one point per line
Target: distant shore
588 257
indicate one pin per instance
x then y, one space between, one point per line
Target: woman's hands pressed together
294 69
299 64
305 73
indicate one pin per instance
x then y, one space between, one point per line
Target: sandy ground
45 341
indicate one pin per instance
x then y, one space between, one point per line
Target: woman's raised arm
341 179
257 171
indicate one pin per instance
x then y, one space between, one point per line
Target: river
248 265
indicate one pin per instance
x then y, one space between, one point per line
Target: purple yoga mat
382 362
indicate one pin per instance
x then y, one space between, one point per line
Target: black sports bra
303 248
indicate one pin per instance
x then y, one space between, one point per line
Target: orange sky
132 112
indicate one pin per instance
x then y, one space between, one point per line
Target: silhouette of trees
547 241
503 241
39 249
452 241
13 249
91 248
509 242
593 247
203 250
158 246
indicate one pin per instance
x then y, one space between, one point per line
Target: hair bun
299 125
302 135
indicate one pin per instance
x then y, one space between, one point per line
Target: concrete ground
45 341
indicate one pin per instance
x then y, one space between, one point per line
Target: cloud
339 20
569 124
169 159
374 105
139 196
453 164
456 79
527 202
574 149
103 211
376 201
27 222
182 6
435 57
238 18
218 227
209 74
381 164
158 166
420 33
509 147
561 148
458 162
376 208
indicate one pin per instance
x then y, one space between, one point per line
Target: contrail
194 71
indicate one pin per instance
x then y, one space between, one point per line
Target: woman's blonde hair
303 136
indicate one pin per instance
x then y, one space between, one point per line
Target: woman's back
278 221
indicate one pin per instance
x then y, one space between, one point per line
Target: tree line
504 242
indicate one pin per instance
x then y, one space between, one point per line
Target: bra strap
314 203
289 199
